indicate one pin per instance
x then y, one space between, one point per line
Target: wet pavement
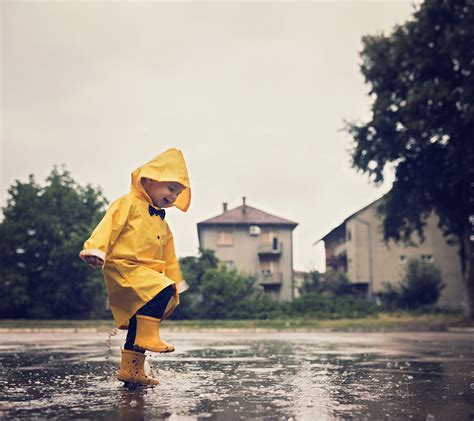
242 375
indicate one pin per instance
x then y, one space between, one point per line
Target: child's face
164 193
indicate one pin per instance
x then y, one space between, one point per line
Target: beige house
253 242
356 247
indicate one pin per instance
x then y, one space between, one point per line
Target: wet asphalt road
243 375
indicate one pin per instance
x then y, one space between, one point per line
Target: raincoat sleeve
107 231
172 270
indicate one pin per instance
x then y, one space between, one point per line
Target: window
225 238
349 235
230 264
275 243
427 258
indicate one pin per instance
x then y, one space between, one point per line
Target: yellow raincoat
137 248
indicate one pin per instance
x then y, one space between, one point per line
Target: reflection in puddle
306 376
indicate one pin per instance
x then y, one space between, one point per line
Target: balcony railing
269 248
274 278
340 249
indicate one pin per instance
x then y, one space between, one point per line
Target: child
134 246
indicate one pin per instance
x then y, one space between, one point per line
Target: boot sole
159 350
132 383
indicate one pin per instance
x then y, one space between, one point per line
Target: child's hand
93 261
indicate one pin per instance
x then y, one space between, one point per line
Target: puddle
259 376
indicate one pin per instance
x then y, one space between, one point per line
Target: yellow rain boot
148 335
132 369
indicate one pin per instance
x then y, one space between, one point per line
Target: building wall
388 265
298 282
244 253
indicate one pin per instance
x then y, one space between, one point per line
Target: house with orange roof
253 242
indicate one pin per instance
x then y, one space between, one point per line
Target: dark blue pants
153 308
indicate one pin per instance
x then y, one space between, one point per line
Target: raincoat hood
168 166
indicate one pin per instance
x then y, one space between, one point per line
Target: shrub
330 283
219 293
331 307
390 297
224 292
421 286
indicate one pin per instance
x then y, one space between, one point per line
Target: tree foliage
422 84
41 234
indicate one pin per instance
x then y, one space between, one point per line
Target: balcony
340 249
337 262
273 248
271 278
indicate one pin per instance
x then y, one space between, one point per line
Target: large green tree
41 234
421 79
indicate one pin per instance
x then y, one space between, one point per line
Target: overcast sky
254 93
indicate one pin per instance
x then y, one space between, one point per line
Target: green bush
331 307
390 297
421 286
331 283
260 306
223 293
193 269
218 293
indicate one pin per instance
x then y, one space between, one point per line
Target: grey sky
255 95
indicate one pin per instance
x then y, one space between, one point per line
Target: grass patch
398 321
382 321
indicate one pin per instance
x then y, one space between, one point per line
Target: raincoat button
158 237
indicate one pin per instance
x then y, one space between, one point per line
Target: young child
134 246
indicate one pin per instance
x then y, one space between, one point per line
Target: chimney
224 207
244 209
